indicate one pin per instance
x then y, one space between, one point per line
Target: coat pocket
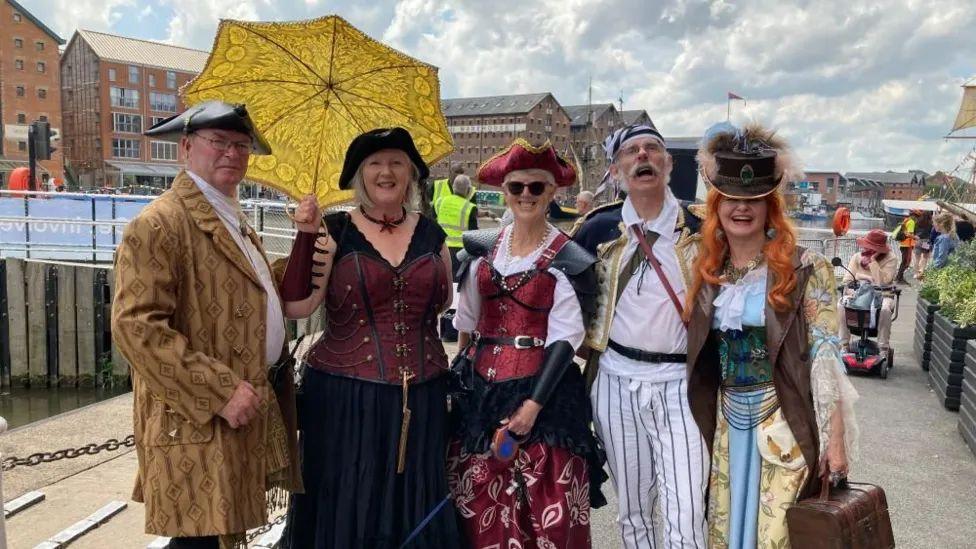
166 427
777 445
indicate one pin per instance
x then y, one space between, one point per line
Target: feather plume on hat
746 162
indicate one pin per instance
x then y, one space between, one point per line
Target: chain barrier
109 445
253 534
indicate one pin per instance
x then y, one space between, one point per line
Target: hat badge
747 174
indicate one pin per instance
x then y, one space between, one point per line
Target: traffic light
42 140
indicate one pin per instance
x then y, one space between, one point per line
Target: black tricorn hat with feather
749 162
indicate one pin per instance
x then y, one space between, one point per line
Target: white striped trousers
657 459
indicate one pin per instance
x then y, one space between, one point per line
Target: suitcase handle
825 485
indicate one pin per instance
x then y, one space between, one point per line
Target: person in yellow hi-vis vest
456 214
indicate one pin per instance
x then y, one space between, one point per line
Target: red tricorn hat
521 155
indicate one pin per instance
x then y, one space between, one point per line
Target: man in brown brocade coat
198 316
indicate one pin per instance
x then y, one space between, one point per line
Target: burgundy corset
381 321
523 311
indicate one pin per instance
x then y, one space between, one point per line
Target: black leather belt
519 342
645 356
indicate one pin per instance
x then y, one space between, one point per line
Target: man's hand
242 407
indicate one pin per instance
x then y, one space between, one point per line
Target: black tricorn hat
215 115
372 141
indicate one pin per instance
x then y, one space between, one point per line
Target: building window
156 120
111 75
152 80
41 67
21 118
122 97
39 46
126 123
19 64
21 146
171 80
18 43
830 183
162 150
16 17
21 91
165 102
125 148
42 118
41 93
133 75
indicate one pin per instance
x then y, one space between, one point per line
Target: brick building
636 117
484 126
589 127
29 87
829 185
897 185
114 88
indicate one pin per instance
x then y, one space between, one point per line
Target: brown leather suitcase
850 516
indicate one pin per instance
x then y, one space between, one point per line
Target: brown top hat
875 240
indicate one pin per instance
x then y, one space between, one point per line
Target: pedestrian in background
924 241
946 242
456 214
904 234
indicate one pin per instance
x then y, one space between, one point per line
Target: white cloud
855 84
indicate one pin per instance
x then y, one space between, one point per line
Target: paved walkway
910 445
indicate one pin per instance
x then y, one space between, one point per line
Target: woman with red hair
761 342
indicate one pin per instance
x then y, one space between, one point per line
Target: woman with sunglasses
525 463
373 412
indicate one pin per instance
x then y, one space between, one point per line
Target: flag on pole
734 96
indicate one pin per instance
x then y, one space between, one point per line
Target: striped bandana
618 138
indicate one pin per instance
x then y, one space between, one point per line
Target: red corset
381 321
523 311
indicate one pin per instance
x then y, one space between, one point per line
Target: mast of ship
965 118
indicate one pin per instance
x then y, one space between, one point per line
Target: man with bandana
637 347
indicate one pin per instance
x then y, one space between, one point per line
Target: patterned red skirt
541 499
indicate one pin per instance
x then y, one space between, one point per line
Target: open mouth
386 184
742 220
645 170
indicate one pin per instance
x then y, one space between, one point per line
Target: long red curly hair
778 250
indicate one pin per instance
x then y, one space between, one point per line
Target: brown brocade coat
189 315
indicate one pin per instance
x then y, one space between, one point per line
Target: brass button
366 339
362 321
369 357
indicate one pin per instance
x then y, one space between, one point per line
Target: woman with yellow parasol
373 414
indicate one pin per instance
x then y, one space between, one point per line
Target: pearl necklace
511 237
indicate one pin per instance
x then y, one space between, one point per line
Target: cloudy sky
856 85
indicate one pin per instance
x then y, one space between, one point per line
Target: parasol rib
287 53
293 110
404 114
258 81
380 69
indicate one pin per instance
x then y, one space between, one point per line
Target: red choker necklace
388 223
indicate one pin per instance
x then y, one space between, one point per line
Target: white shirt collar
663 224
227 206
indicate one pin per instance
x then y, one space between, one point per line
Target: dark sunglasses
536 188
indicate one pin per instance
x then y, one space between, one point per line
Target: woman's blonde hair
945 223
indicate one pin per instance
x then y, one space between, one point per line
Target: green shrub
954 288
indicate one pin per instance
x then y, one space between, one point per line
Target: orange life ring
842 221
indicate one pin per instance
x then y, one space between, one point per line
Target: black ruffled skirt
354 498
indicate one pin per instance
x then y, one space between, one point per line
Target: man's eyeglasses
222 145
536 188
